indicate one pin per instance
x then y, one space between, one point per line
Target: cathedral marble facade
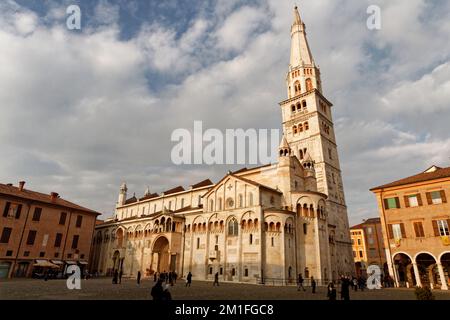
270 222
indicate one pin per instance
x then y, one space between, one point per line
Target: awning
83 262
45 264
58 262
70 262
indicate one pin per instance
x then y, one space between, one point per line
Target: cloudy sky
82 111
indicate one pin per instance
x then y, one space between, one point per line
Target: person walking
157 291
189 279
216 279
313 284
331 292
120 276
166 296
139 278
300 282
175 276
115 277
155 276
355 283
345 288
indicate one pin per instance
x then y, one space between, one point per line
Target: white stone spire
300 52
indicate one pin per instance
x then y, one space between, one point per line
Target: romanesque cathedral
271 222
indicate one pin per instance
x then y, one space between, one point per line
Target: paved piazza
103 289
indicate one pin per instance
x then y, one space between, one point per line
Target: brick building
415 216
41 231
368 245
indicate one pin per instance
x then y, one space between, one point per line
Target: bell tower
309 131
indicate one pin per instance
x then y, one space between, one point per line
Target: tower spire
300 52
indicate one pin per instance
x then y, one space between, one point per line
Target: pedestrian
155 276
313 284
120 276
175 276
139 278
189 279
331 291
115 277
300 282
355 284
166 296
345 288
157 291
361 283
216 279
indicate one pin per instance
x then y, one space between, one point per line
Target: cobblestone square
103 289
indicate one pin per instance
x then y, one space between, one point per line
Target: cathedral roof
203 183
174 190
284 144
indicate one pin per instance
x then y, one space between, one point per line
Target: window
9 253
396 231
413 200
233 272
170 205
221 271
182 203
69 255
31 237
217 240
41 254
293 109
82 256
75 241
62 218
26 254
250 239
241 201
370 240
198 243
233 227
436 197
441 227
211 205
272 242
12 210
391 203
359 242
56 254
6 233
58 240
369 230
220 204
79 221
361 254
354 254
246 272
37 214
306 125
250 199
418 229
154 208
330 154
305 228
210 270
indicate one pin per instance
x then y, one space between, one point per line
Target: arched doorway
428 272
404 268
445 262
161 255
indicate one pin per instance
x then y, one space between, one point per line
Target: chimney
54 196
21 185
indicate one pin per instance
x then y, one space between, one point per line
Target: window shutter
397 202
443 197
390 231
402 228
436 229
429 198
19 210
386 206
422 232
5 212
406 201
416 229
419 199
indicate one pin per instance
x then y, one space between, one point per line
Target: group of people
117 277
166 277
300 282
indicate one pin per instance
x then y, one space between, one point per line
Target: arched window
233 227
250 199
220 204
306 125
251 239
301 154
299 107
309 85
304 105
241 201
293 108
294 129
300 127
211 205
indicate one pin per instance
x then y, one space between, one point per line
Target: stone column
444 285
417 274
